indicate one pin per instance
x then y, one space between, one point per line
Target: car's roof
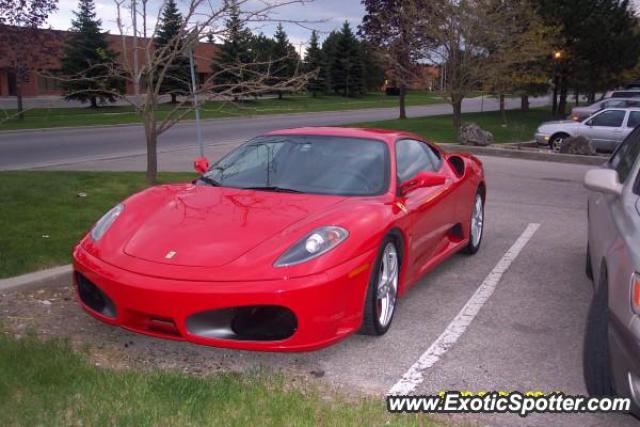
387 135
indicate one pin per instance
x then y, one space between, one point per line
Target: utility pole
195 102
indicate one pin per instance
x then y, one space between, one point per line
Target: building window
48 81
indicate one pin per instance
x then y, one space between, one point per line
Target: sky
322 15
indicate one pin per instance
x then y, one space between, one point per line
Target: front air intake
251 323
93 297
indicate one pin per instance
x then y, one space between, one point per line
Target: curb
35 279
526 155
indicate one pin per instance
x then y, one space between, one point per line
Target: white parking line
463 319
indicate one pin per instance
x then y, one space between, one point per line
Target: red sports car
291 242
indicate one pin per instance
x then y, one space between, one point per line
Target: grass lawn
42 217
520 125
57 117
46 383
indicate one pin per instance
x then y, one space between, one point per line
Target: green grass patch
519 126
46 383
42 217
59 117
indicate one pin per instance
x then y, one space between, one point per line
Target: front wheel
382 294
555 144
476 225
597 364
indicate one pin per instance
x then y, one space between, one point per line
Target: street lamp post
557 55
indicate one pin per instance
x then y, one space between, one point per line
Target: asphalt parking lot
528 336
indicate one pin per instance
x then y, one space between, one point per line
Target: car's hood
211 226
560 122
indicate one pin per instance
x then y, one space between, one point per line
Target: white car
606 129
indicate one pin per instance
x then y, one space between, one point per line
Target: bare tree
396 30
145 66
477 42
21 43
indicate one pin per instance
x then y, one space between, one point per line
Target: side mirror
589 123
201 165
603 181
422 180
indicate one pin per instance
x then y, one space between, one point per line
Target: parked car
291 242
606 129
635 84
625 93
580 113
612 341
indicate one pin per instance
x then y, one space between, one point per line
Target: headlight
105 222
314 244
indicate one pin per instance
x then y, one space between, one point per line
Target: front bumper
542 138
327 306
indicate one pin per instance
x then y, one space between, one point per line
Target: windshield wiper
273 188
209 181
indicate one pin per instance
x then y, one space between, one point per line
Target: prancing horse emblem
170 254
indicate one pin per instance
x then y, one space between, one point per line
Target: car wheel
476 227
588 267
597 367
382 294
555 143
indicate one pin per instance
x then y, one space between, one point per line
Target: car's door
633 120
605 209
604 129
430 209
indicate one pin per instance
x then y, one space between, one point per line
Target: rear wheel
476 225
382 294
597 365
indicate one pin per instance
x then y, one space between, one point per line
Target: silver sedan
612 341
578 114
606 129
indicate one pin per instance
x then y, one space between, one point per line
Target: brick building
48 62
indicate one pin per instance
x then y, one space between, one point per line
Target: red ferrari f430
291 242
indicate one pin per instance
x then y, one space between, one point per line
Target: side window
413 157
611 118
626 155
634 119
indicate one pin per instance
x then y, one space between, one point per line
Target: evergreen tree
229 66
177 79
346 64
88 61
284 56
314 63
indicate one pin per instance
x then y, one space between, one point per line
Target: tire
556 141
475 234
377 320
597 364
588 269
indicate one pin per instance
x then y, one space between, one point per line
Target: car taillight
635 292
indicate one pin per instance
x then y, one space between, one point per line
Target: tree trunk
554 101
151 138
591 98
457 114
403 107
279 94
503 110
19 98
562 103
174 98
524 102
94 102
577 95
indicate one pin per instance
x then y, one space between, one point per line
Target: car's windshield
305 164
